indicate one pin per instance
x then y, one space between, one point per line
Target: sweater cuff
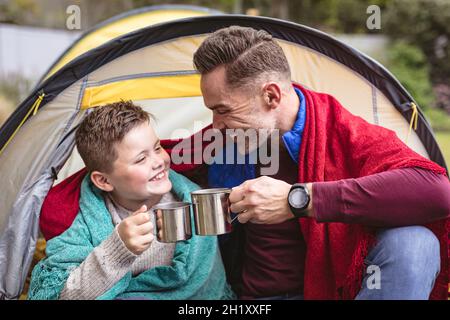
327 201
117 251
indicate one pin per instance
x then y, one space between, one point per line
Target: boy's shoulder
92 219
181 185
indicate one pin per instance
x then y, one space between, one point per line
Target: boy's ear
101 181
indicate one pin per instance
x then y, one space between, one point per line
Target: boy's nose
157 163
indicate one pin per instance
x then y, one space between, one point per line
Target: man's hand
262 200
136 231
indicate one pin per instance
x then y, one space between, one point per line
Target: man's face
235 108
142 167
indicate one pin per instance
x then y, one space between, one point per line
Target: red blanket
336 145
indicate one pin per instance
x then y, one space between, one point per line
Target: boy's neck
132 205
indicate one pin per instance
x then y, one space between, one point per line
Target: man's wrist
309 209
294 210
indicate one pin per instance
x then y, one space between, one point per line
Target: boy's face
141 169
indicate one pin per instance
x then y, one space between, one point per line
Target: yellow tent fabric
142 89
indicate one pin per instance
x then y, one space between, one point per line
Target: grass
443 138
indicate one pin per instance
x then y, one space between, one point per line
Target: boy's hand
136 231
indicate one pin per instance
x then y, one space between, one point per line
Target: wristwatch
298 199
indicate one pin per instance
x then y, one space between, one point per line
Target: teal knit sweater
196 271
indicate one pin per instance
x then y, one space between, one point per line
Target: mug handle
229 219
155 225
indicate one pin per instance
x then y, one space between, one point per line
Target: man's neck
289 111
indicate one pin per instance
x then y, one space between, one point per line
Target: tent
124 23
153 67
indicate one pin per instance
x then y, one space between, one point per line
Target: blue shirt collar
293 138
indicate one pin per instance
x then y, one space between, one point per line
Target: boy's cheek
166 158
139 178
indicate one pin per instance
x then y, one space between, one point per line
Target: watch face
298 198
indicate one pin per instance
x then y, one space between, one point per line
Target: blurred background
412 41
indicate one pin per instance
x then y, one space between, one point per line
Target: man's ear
100 180
272 94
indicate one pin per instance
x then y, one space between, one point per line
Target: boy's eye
158 148
140 160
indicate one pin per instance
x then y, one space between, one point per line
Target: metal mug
211 211
175 221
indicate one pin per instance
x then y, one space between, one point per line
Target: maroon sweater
275 254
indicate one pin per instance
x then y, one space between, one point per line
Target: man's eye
219 111
158 148
140 160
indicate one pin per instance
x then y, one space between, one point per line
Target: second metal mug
175 221
211 211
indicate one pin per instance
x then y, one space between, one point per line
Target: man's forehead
212 92
214 78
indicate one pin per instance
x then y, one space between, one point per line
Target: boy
109 252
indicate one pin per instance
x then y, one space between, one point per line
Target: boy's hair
102 129
246 53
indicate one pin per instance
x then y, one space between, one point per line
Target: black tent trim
372 71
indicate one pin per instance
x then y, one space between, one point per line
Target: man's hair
102 129
246 53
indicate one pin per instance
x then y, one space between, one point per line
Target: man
363 196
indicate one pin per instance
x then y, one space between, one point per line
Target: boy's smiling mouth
159 176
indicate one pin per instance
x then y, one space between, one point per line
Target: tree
425 23
17 11
409 65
